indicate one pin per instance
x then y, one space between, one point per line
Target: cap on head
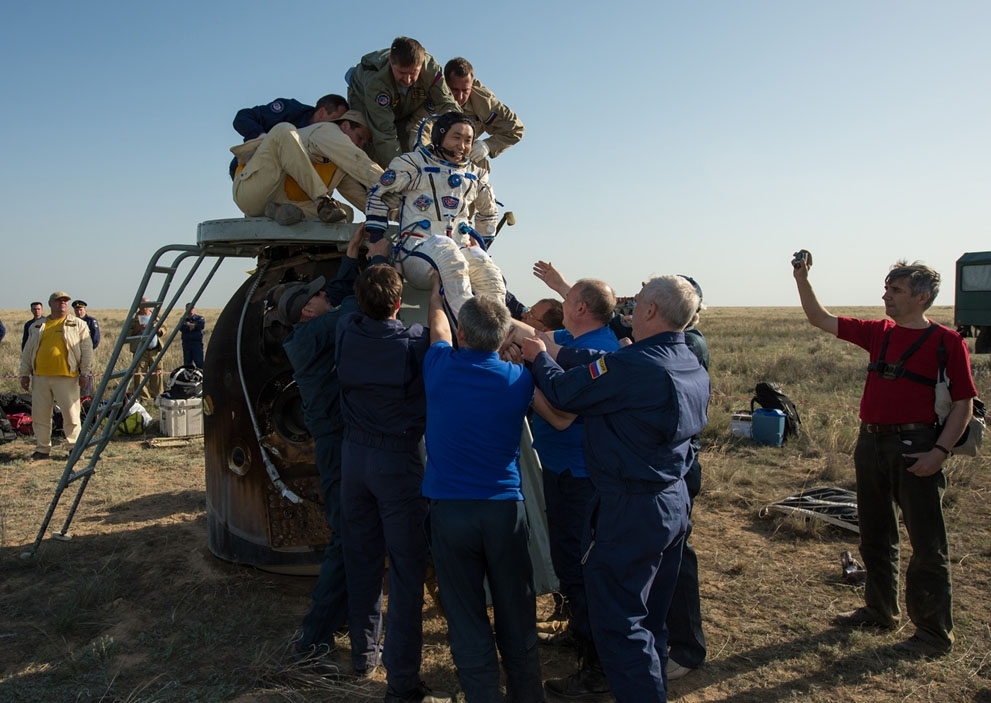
696 286
59 295
353 116
80 304
294 298
443 124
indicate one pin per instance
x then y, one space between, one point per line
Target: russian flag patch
598 367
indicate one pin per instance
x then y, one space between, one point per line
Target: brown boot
329 210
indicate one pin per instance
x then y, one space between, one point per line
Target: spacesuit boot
588 683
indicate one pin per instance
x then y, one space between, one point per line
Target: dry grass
136 609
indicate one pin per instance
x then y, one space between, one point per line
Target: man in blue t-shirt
478 522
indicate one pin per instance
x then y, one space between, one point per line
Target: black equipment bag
770 396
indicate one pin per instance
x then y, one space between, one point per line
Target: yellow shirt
52 358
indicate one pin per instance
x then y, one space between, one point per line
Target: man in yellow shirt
58 356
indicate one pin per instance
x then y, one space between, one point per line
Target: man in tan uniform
58 357
487 113
397 88
290 173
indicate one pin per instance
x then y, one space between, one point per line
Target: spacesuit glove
479 150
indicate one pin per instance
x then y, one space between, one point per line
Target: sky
709 138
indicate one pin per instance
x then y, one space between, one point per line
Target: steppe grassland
135 609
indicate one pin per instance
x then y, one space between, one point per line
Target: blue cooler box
769 427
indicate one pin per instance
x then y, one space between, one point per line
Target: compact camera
800 256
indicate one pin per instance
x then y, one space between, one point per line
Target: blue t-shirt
475 409
561 450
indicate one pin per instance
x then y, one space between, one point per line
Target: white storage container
180 418
742 424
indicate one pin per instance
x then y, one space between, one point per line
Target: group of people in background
57 362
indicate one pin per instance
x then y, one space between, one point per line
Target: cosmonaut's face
458 140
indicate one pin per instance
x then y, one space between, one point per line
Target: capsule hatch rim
247 236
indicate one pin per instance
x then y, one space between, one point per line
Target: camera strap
896 370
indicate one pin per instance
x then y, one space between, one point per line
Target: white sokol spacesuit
435 199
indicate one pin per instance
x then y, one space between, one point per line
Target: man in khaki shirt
291 172
58 358
486 112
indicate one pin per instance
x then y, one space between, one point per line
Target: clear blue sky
707 138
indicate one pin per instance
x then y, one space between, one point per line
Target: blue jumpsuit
641 405
310 349
384 410
192 340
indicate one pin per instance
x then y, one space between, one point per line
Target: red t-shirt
902 401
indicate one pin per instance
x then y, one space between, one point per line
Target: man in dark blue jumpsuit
642 405
310 349
383 404
252 122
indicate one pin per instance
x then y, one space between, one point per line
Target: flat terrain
135 608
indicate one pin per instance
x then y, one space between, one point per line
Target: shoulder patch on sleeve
598 367
388 178
277 106
383 99
490 119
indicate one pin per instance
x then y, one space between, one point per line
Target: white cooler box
180 418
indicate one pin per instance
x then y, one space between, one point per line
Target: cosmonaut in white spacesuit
436 186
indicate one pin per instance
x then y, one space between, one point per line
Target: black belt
895 429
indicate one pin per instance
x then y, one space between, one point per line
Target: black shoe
583 685
38 456
863 617
561 638
420 694
916 647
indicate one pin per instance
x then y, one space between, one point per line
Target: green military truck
972 305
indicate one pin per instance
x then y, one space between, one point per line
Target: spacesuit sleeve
486 210
397 178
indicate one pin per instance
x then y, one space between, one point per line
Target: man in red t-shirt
901 450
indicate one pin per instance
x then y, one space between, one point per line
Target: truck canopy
973 290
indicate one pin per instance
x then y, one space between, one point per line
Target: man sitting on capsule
436 187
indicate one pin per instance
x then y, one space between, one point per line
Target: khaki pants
156 382
46 391
262 180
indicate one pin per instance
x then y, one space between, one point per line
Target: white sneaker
677 671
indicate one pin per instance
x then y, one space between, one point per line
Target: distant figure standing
79 306
192 338
37 310
3 331
156 384
55 363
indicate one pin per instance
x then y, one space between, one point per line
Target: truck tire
982 345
